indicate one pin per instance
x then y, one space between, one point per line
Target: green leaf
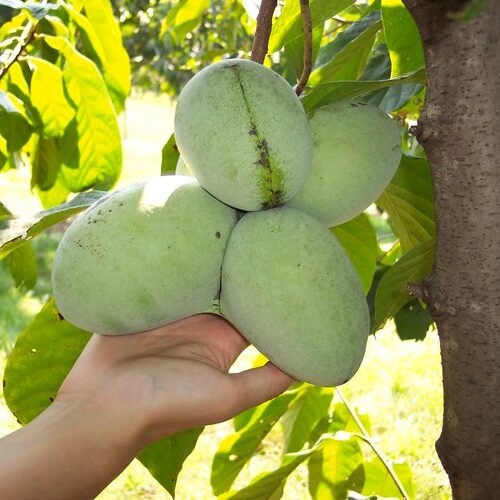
294 51
402 38
329 468
93 153
37 10
372 477
390 98
343 420
270 485
114 57
39 362
23 267
184 17
303 416
334 91
348 61
3 155
359 239
164 459
49 99
289 24
17 231
412 321
409 201
17 81
101 42
45 164
236 449
169 157
14 125
392 292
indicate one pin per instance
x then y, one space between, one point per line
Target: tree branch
263 30
308 43
23 41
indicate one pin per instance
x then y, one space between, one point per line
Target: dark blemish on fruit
263 149
60 316
51 399
217 234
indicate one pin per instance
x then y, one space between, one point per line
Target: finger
257 385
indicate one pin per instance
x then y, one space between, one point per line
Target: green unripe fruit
356 151
143 256
244 134
291 290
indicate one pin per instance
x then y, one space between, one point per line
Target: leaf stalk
308 46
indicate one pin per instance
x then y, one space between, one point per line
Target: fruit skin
356 152
244 134
143 256
291 290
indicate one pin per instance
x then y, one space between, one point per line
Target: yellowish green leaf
49 99
402 38
92 156
289 24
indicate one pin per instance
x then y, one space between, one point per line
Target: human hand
170 379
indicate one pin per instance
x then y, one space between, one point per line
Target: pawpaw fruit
142 256
356 152
289 287
244 134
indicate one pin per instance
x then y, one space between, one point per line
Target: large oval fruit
244 134
356 151
291 290
143 256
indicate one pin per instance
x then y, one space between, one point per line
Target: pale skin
125 392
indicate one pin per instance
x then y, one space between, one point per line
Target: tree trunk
460 131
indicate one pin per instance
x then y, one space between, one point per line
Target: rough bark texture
460 130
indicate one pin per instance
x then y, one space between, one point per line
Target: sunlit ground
398 385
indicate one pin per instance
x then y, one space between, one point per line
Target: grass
398 385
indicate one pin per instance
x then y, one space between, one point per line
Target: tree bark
460 131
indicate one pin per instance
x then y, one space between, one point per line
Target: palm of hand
172 378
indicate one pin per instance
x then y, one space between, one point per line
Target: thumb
257 385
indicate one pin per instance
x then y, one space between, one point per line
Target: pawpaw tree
433 66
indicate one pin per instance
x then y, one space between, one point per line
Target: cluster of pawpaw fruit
247 234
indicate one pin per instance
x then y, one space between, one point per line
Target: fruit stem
365 436
308 46
263 30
